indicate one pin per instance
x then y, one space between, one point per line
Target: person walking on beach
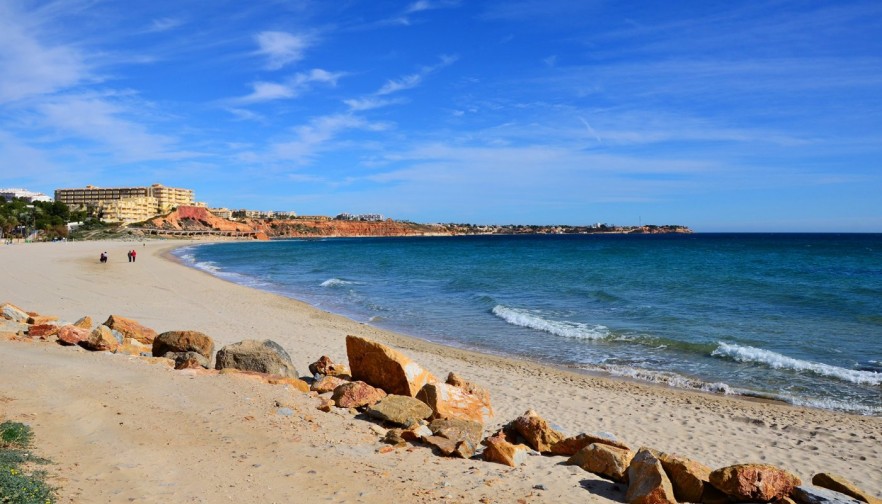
103 257
130 255
134 255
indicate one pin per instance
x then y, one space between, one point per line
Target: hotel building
126 204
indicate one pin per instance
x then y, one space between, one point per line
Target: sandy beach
121 429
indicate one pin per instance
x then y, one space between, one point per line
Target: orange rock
72 335
536 431
754 482
647 481
100 340
448 401
688 477
42 330
41 319
295 383
356 394
183 341
607 461
85 322
499 449
326 384
573 444
131 329
325 366
383 367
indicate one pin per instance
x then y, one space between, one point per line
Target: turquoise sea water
790 316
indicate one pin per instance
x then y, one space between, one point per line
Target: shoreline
161 292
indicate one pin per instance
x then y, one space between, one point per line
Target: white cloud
291 88
30 68
164 24
313 137
413 80
361 104
282 48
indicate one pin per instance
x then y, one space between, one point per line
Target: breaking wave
529 319
670 379
337 282
775 360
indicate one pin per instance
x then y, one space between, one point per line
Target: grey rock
181 357
817 495
401 410
265 356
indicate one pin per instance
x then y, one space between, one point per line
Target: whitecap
336 282
531 320
775 360
669 379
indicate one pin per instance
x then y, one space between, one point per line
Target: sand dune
121 429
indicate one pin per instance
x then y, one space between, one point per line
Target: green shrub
18 485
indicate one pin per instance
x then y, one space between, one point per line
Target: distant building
30 196
126 204
359 217
223 213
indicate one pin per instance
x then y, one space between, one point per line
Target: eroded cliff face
188 218
327 228
198 219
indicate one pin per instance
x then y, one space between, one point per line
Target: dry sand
120 429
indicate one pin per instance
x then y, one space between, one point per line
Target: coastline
160 292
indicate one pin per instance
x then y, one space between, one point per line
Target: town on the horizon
140 206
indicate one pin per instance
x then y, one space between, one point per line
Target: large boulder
450 401
687 476
499 449
647 481
101 339
536 431
569 446
326 367
605 460
754 482
817 495
401 410
383 367
131 329
839 484
264 356
72 335
470 387
183 342
356 394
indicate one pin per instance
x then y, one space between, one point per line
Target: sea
791 317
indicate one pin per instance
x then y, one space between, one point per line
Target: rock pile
449 417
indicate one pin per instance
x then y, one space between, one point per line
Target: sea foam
529 319
336 282
777 361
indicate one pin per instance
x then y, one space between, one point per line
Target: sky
718 115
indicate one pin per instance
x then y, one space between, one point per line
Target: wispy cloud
362 104
263 91
413 80
282 48
164 24
314 136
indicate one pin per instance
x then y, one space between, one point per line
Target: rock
9 326
817 495
131 329
326 384
42 330
444 446
401 410
134 347
416 432
41 319
536 431
687 476
186 360
325 405
85 322
14 313
839 484
393 437
295 383
569 446
183 342
72 335
647 481
607 461
383 367
754 482
101 339
499 449
356 394
470 388
326 367
449 401
465 435
261 356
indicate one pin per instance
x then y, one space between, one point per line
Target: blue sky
723 116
